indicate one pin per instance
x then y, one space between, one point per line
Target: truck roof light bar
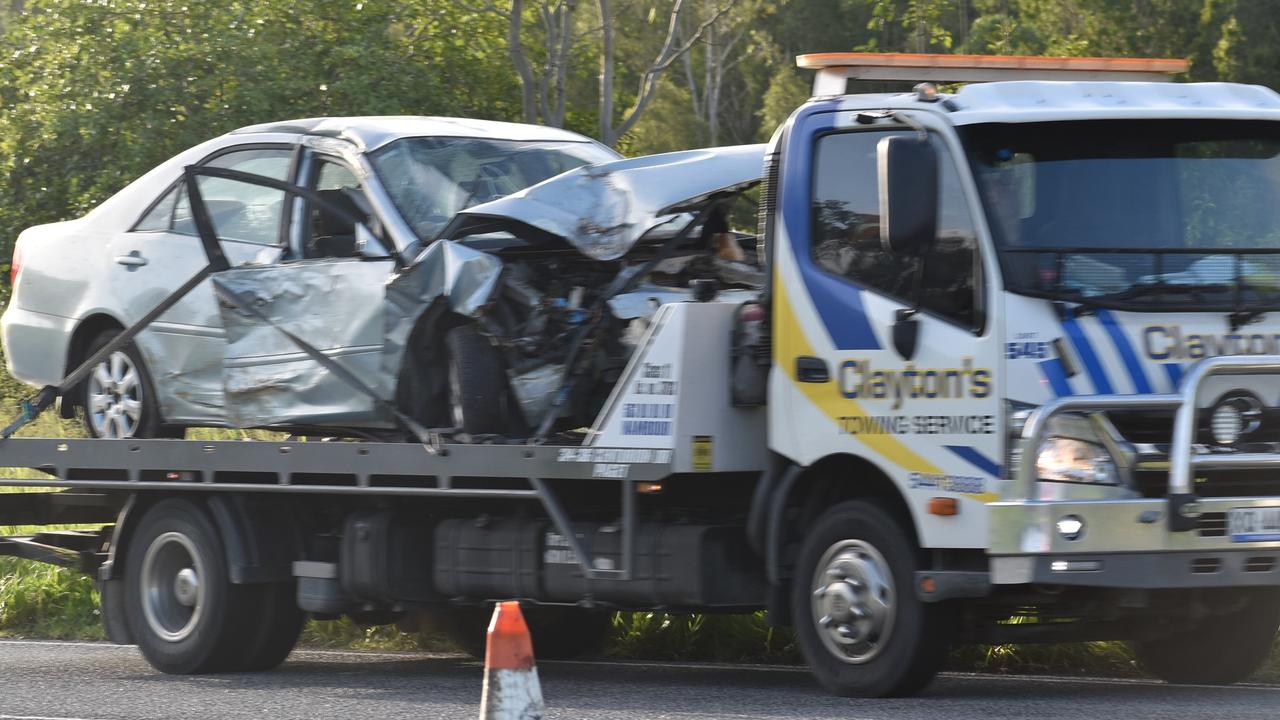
836 69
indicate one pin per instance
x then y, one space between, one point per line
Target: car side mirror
907 175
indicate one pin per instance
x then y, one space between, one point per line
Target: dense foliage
94 92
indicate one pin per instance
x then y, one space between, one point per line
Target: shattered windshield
431 178
1148 214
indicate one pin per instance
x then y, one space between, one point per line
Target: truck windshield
1165 214
431 178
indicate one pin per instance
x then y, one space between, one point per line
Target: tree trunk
515 49
606 74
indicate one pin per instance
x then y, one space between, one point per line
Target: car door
183 348
330 293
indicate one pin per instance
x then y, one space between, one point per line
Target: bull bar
1135 542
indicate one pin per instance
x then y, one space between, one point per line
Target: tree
672 49
95 94
708 64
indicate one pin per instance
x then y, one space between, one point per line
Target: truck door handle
811 369
133 259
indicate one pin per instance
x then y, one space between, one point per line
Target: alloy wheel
114 397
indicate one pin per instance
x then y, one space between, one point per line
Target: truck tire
279 622
478 392
182 609
111 605
558 633
1220 649
859 622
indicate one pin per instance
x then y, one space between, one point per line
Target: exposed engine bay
556 311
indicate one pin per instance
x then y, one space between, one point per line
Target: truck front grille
1212 524
1235 483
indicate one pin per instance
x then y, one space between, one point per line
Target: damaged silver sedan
516 321
372 276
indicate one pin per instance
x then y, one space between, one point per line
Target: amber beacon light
836 69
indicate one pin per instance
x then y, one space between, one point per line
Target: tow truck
1009 381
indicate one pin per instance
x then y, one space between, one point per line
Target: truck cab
1029 327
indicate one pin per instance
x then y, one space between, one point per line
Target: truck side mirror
907 173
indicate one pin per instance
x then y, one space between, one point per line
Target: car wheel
1220 649
181 607
478 392
118 397
860 624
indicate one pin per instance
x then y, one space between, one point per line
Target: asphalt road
89 681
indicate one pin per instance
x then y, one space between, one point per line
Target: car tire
183 610
558 633
859 622
118 397
478 393
1220 649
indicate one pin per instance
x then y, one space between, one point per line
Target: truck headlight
1067 459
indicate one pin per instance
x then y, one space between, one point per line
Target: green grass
45 601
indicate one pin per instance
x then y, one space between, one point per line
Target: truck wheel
111 605
182 609
1220 649
558 633
478 392
280 622
860 624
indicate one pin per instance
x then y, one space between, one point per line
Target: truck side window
846 229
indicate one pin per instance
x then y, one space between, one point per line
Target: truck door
929 418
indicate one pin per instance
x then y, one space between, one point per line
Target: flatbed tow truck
1015 393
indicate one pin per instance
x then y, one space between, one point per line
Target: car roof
372 132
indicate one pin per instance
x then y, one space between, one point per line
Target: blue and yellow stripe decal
976 459
1125 349
837 303
1084 350
790 338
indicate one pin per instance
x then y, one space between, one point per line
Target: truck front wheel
1220 649
860 624
180 605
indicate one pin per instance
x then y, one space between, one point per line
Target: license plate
1254 524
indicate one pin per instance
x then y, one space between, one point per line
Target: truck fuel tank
675 565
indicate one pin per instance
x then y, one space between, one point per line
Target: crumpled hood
604 209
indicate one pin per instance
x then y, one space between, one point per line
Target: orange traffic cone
511 689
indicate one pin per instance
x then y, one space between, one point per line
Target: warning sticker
702 453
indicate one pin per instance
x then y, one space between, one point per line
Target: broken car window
240 211
430 179
331 234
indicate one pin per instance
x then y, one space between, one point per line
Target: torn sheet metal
461 276
334 304
604 209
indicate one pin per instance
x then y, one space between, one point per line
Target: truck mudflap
1176 541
